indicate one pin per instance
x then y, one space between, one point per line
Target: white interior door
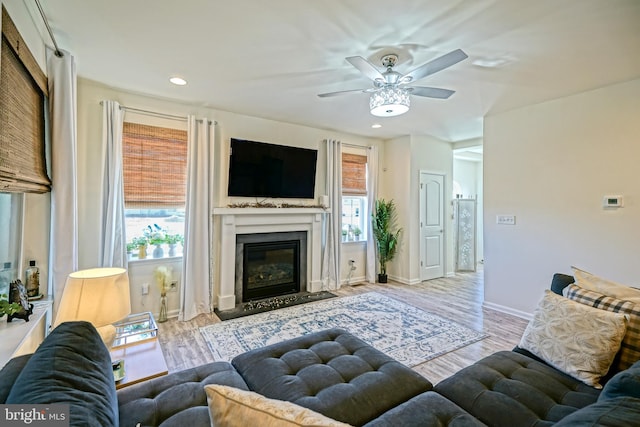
431 226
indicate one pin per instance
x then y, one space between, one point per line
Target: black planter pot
382 278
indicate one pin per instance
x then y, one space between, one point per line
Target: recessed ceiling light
376 126
178 81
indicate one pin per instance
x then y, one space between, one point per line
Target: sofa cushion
592 282
624 384
331 372
575 338
232 407
617 412
177 399
630 348
510 389
426 410
560 281
9 373
71 366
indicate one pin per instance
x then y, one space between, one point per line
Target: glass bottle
162 317
32 280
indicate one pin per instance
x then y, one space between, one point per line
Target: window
10 239
23 92
154 170
354 197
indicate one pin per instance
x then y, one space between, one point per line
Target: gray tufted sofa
331 372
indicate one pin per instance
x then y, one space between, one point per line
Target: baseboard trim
507 310
404 280
353 281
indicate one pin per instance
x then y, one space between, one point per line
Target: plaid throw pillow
630 348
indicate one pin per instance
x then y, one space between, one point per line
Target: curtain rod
157 114
58 52
363 147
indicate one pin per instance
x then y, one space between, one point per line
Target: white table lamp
97 295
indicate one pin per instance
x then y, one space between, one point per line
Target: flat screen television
258 169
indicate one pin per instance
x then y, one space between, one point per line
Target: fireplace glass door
270 269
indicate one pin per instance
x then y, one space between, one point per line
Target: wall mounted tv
258 169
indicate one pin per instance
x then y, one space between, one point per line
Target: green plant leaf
384 223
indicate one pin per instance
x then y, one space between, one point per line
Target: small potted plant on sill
384 223
172 240
357 232
7 307
130 247
156 236
141 243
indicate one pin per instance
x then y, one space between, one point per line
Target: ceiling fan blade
436 65
431 92
341 92
365 67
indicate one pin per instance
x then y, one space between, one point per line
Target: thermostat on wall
612 202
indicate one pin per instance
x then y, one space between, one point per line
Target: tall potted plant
384 224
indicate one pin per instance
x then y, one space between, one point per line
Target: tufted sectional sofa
330 372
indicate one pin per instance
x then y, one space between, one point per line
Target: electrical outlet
173 286
506 219
145 289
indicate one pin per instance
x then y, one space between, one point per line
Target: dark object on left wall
18 294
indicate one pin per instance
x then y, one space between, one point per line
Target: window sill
349 242
151 260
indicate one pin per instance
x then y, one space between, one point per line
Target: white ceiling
271 58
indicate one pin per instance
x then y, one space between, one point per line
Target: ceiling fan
391 90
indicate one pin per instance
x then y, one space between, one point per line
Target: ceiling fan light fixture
389 101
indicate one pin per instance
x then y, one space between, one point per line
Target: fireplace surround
233 222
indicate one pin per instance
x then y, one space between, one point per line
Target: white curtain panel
196 290
113 247
372 191
63 241
332 240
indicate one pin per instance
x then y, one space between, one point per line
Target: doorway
432 226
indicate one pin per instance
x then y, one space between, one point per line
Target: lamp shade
97 295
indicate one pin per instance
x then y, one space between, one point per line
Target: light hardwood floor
457 298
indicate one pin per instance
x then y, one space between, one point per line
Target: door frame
445 226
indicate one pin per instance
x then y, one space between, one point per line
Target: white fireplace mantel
233 221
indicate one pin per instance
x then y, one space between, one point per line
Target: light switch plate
506 219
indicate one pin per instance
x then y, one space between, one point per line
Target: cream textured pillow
592 282
579 340
232 407
630 348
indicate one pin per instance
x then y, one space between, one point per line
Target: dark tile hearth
274 303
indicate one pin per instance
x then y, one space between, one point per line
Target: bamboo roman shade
354 174
23 91
154 166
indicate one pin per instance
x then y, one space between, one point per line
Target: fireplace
269 265
235 224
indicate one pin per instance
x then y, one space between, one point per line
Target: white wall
394 183
550 165
229 125
401 183
432 155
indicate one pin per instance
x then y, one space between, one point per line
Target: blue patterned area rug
406 333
